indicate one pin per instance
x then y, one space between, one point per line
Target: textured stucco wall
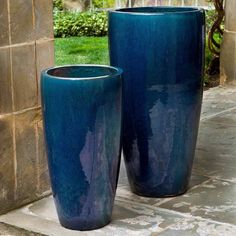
228 48
26 47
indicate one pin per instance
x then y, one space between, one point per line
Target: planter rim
165 10
114 72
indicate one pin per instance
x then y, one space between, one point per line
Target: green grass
90 50
81 50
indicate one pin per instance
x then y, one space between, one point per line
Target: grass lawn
90 50
81 50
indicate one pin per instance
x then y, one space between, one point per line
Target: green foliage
208 56
94 23
103 3
80 24
211 16
58 5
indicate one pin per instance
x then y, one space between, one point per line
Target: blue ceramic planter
82 120
160 50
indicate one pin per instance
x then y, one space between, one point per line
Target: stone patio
207 209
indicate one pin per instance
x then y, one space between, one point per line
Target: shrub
103 4
80 24
211 16
58 5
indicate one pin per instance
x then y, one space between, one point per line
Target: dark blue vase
82 120
161 51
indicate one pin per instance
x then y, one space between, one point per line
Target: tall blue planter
82 120
161 51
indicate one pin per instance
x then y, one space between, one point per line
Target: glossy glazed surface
162 58
82 120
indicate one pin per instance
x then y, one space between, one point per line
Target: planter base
158 195
82 226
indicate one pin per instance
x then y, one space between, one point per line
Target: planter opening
83 72
156 10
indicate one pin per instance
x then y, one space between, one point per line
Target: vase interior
83 71
161 10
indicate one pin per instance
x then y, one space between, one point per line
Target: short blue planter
161 51
82 120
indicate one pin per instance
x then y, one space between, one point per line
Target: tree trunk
132 3
81 5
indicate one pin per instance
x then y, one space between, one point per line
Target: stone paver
207 209
193 227
8 230
214 199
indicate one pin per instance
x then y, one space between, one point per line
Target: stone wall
228 48
26 47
